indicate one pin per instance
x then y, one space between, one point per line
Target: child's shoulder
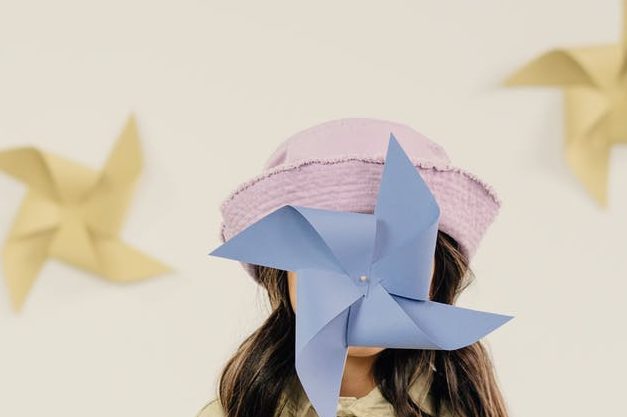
212 409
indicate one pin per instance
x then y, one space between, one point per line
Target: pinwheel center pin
363 278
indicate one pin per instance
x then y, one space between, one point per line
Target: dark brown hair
462 380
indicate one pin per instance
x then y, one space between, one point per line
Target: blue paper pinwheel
362 279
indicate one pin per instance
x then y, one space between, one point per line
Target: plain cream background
216 86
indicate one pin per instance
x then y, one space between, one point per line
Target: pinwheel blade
22 261
37 214
448 326
558 67
349 235
30 166
125 160
320 296
407 271
377 320
283 239
586 147
123 263
405 205
320 365
112 194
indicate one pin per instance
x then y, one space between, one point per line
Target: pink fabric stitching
419 163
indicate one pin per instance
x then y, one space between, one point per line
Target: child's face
355 351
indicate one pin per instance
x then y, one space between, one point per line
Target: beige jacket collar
371 405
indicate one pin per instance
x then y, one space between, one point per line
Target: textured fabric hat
338 165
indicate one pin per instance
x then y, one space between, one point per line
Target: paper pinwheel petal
73 213
559 67
404 199
362 279
321 320
283 239
407 271
403 255
29 166
382 319
23 259
111 195
316 305
350 236
121 262
319 365
37 214
450 327
378 320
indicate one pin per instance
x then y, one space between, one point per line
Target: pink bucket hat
337 165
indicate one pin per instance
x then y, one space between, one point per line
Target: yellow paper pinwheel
74 214
595 95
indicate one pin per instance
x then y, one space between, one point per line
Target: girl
337 166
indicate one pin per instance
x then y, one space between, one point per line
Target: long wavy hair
462 380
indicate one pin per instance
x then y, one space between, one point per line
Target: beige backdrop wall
215 87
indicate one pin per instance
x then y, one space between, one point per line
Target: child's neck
357 380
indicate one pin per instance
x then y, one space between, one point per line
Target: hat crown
355 136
